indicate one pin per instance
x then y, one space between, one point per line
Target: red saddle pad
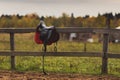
37 38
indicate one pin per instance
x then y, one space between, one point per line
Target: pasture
82 65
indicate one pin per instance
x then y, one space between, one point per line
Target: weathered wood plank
114 55
61 30
105 54
63 54
12 47
58 54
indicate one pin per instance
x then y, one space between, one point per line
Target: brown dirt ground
13 75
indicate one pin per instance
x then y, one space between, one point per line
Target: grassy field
82 65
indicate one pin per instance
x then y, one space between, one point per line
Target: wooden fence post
105 55
12 49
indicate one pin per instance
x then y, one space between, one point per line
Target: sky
57 7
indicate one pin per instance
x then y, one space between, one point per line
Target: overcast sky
57 7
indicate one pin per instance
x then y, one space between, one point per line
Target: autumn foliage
65 20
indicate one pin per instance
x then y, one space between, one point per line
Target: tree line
65 20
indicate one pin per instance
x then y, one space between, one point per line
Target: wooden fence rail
104 54
62 30
57 54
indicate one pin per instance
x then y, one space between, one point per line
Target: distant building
115 37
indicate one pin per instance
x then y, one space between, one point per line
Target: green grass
83 65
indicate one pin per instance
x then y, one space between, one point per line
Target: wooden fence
105 55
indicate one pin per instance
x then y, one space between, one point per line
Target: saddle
46 35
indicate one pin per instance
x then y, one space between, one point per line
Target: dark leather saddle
46 35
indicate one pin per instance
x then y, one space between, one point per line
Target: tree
100 22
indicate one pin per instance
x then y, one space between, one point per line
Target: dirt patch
12 75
